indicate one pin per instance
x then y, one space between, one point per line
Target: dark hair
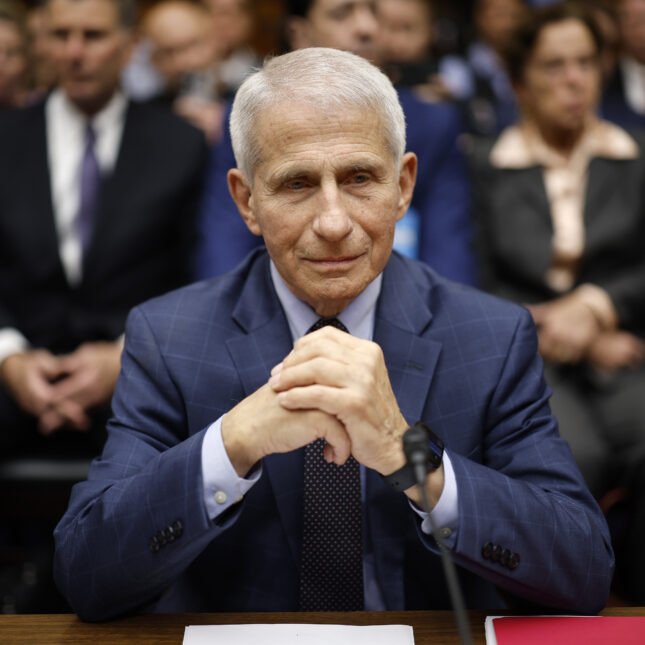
522 41
299 7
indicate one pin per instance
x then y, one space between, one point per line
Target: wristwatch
429 443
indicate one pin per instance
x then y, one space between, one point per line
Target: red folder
565 630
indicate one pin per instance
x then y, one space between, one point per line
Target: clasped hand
331 385
60 390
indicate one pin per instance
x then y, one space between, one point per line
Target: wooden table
430 627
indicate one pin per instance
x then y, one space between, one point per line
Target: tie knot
90 134
327 322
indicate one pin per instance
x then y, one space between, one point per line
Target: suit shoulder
14 122
159 118
456 301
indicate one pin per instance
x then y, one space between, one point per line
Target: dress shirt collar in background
358 316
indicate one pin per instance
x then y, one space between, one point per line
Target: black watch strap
404 478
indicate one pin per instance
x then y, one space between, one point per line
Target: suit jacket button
495 553
514 561
486 550
503 558
154 544
177 528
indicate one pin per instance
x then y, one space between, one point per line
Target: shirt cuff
11 342
446 511
598 300
223 487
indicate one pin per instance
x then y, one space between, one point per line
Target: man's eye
360 178
296 184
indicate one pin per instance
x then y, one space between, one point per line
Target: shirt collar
112 113
521 146
358 316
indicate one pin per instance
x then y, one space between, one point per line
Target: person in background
254 461
98 197
406 38
491 106
233 25
44 72
560 208
184 50
623 100
437 228
15 68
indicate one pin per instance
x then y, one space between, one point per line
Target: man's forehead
339 5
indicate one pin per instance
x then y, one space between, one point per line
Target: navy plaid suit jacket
460 360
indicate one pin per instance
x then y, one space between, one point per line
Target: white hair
327 79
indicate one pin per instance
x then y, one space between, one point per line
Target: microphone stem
448 565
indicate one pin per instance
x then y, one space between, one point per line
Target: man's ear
407 179
298 33
242 195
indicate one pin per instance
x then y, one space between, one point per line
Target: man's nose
365 22
74 47
332 221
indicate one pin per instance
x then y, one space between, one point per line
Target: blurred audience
183 49
15 68
437 227
406 39
233 26
491 106
44 72
560 205
98 201
624 97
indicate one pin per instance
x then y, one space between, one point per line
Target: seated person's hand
260 426
616 350
344 376
31 378
566 326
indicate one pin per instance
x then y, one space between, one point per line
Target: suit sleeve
139 520
525 498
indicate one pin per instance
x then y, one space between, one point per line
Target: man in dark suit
97 203
210 495
437 228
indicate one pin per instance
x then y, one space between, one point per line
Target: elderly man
216 491
437 227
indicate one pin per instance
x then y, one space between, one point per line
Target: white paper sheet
295 634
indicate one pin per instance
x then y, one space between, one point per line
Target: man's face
89 48
13 63
631 17
326 197
405 33
182 40
561 80
349 25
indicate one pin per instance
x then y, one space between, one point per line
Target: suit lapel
401 318
38 212
266 343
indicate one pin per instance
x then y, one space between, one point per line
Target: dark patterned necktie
331 568
90 182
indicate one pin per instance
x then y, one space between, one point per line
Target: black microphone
419 456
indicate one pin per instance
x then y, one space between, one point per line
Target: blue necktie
331 568
90 183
